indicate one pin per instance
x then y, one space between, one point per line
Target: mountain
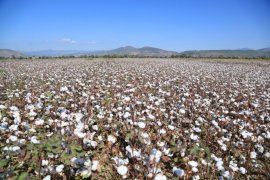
10 53
55 52
129 50
144 51
265 49
227 53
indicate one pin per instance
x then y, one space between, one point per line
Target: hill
227 53
6 53
129 50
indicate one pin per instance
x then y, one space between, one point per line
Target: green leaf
3 162
23 176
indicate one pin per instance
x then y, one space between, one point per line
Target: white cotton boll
119 162
193 163
182 111
161 143
196 129
246 134
95 127
233 166
259 148
160 176
39 122
150 116
64 89
15 148
100 138
95 164
78 117
80 134
267 135
127 99
219 165
242 170
44 162
194 169
162 131
141 125
2 107
253 155
155 155
126 115
171 127
111 139
214 123
87 163
226 174
194 137
48 177
34 140
122 170
93 144
32 113
267 154
59 168
85 173
133 152
13 138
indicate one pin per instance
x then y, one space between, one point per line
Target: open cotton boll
39 122
160 176
155 155
13 138
253 155
122 170
34 140
111 139
141 125
118 161
85 173
242 170
64 89
193 163
194 137
59 168
133 152
48 177
95 164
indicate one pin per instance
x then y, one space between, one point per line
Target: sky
31 25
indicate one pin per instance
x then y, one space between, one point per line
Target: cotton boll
95 164
242 170
122 170
111 139
59 168
253 155
160 176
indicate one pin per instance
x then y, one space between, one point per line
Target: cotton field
134 119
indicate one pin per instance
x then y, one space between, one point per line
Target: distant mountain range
144 51
229 53
127 50
10 53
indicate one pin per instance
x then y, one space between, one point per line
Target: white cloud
67 41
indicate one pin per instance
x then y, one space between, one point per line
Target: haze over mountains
144 51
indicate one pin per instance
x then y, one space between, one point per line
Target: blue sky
178 25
